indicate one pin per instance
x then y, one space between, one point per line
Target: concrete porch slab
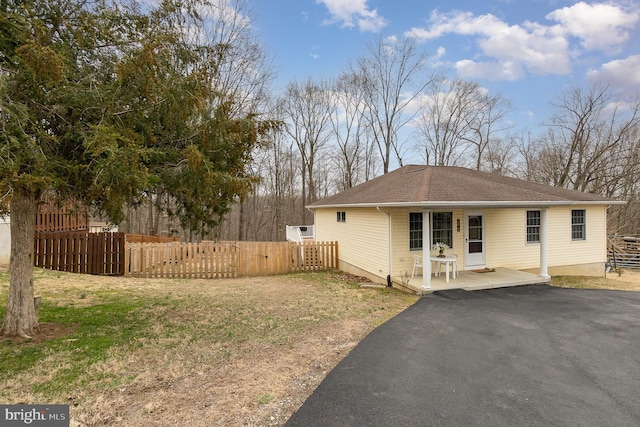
470 280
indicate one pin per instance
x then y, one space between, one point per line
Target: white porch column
426 248
544 257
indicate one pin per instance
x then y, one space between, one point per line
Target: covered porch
472 280
479 236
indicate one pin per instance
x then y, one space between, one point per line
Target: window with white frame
442 228
415 231
341 216
578 224
533 226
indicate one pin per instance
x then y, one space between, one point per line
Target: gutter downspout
389 284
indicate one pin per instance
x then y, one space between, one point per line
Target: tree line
389 107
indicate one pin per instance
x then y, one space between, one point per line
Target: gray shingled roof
447 185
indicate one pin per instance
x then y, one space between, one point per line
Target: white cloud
353 13
508 52
599 26
621 72
507 70
513 48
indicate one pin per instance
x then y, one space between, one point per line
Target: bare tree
244 72
391 78
485 124
306 109
279 166
348 131
459 121
447 110
592 134
592 144
499 156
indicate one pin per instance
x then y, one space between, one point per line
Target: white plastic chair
417 263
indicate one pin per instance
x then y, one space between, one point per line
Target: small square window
341 216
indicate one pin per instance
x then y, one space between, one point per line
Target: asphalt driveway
530 355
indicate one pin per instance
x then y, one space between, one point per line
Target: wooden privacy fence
149 256
228 259
81 252
85 252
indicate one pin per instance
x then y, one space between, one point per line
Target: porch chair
417 263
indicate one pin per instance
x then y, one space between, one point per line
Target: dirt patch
47 331
623 280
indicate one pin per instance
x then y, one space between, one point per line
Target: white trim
544 262
426 250
471 204
467 257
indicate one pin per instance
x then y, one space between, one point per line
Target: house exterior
487 220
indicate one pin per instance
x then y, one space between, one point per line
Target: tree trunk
21 318
242 226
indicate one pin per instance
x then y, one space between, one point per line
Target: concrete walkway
529 355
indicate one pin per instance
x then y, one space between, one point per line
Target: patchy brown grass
623 280
237 352
234 352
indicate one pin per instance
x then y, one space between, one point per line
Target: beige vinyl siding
362 238
507 243
506 240
564 251
402 257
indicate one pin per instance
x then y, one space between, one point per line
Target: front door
474 252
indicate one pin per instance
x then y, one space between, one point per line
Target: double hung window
578 224
441 229
533 226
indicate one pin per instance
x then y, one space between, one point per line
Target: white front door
474 247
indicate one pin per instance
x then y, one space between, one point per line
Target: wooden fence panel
80 252
212 260
114 254
181 260
51 219
143 238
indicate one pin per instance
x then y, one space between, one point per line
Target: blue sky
528 50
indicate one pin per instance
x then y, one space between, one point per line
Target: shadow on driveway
529 355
